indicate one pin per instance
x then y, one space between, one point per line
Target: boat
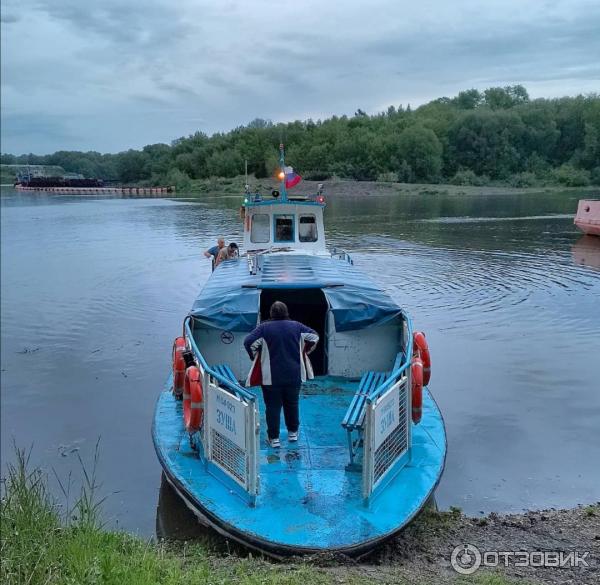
587 218
372 443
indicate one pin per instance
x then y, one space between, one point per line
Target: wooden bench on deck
354 418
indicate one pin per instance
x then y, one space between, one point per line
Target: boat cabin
290 224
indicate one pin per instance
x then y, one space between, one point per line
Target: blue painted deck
307 500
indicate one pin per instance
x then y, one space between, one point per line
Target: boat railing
341 255
387 428
257 259
229 434
236 389
395 375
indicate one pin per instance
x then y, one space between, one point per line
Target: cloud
119 74
8 18
119 22
39 130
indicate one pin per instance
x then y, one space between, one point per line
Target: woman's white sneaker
274 443
292 437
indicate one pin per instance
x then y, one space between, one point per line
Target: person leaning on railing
213 252
229 253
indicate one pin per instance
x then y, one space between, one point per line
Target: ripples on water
93 292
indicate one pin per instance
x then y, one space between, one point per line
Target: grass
44 543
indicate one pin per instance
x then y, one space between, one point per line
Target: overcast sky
116 74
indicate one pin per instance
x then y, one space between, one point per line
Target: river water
506 288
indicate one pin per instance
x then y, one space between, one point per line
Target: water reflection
176 522
586 252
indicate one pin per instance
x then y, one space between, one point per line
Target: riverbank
223 187
42 542
338 187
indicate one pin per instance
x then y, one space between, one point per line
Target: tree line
499 135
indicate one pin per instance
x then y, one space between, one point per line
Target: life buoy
193 400
420 344
178 366
417 389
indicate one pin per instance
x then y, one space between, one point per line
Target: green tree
421 149
469 99
488 143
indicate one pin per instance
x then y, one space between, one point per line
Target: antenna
282 172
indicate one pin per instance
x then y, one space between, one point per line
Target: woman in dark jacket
280 349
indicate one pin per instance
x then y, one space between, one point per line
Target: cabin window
260 228
307 228
284 228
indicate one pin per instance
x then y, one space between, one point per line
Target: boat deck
308 501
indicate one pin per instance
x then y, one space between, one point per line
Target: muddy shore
422 552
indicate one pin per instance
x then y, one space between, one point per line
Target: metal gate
387 435
230 436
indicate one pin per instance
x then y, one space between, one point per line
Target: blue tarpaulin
230 300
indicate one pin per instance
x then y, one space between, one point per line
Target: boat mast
282 173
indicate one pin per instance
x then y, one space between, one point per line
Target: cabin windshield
284 228
308 306
307 228
260 233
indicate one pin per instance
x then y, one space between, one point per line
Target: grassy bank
46 543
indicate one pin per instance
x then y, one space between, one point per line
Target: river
504 285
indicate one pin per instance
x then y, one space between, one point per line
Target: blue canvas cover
230 299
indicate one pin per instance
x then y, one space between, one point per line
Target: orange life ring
193 400
178 366
417 389
421 345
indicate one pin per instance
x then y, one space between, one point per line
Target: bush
595 176
389 177
569 176
523 180
316 175
405 173
179 179
468 177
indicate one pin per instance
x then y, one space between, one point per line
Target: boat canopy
230 300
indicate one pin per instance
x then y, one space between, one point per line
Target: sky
111 75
